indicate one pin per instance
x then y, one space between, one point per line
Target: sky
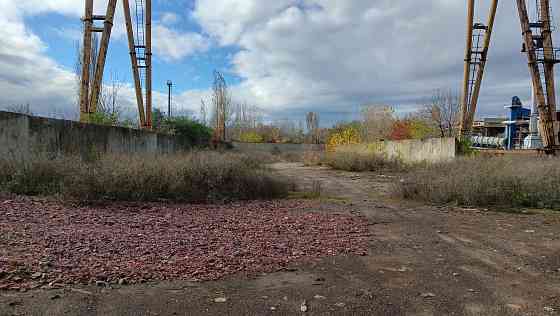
287 57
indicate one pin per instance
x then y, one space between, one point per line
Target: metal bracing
140 56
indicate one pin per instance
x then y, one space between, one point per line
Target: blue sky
286 57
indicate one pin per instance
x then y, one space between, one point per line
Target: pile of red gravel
44 242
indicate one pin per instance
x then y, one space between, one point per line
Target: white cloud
334 55
169 18
28 76
173 46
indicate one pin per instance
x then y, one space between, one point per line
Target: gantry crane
140 45
541 55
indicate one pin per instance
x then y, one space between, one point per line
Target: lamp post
169 86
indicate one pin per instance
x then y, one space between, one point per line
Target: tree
443 111
312 119
221 101
377 122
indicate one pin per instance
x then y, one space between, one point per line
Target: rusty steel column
546 122
86 62
548 57
149 121
467 72
134 62
480 73
98 77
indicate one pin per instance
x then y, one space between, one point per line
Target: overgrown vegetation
195 177
358 162
478 181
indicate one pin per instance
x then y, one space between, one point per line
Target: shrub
358 162
188 131
477 181
194 177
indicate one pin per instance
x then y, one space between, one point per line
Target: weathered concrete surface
278 148
21 135
410 151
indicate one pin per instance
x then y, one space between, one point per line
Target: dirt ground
422 260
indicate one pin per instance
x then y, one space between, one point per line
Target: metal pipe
169 86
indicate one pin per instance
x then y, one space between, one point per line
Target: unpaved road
422 261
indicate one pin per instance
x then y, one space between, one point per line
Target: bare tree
221 101
443 111
109 97
312 119
377 122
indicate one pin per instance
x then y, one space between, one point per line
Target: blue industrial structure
518 116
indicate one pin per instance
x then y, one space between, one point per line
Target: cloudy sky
284 56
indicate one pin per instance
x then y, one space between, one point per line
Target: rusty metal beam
98 77
149 64
548 57
546 121
134 62
467 68
480 73
86 62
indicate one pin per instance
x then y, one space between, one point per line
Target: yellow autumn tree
347 136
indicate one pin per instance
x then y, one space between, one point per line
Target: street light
169 85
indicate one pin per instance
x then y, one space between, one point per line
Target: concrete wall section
409 151
277 148
22 134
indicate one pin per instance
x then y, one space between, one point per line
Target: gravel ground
44 242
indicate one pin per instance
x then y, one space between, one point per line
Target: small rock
272 308
428 295
101 283
456 274
122 282
472 290
220 300
514 307
303 307
549 309
340 304
403 269
530 231
285 298
55 297
36 275
319 297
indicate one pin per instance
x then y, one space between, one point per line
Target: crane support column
98 77
480 73
86 62
149 121
546 122
465 95
134 62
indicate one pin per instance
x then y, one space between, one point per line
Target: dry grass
198 177
359 162
505 181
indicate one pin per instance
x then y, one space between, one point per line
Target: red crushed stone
78 245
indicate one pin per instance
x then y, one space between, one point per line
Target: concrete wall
410 151
280 148
21 135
